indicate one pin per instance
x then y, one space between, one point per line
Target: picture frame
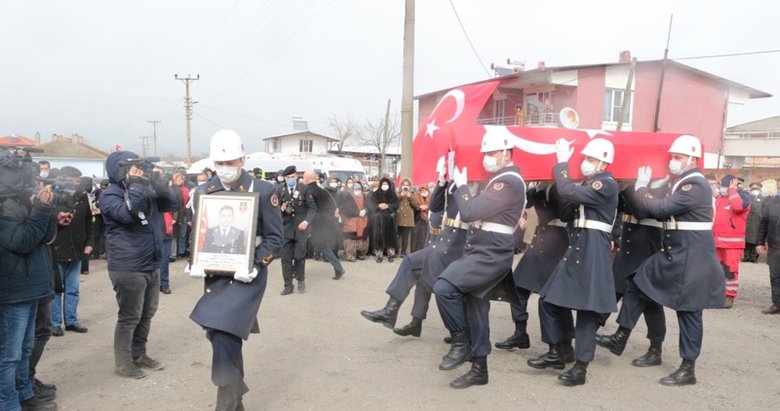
225 224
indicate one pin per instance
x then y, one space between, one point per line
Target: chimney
625 57
541 65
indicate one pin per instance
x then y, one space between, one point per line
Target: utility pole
154 133
188 110
144 145
663 73
385 143
407 98
626 93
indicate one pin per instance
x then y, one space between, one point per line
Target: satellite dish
569 118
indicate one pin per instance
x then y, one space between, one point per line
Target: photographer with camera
26 225
131 208
70 246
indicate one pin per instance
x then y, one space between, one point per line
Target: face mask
724 191
291 182
280 179
333 185
385 187
227 174
358 193
675 167
490 164
587 168
424 194
44 174
200 183
755 193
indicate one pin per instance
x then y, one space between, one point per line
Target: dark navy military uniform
228 308
421 268
684 274
550 242
487 256
300 207
640 238
583 279
230 242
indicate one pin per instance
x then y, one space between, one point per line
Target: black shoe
360 257
130 370
551 359
36 404
379 258
288 289
301 286
477 375
575 375
519 339
386 316
650 359
85 272
339 274
40 384
57 331
616 342
171 259
149 363
165 290
76 327
683 376
414 328
44 392
447 340
460 352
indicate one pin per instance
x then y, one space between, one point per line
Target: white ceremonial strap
583 222
677 184
688 225
456 223
493 227
650 222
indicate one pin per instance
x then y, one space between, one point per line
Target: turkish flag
457 112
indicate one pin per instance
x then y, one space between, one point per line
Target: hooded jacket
133 219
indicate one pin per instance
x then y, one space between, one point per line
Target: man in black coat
228 308
298 211
325 227
583 279
768 239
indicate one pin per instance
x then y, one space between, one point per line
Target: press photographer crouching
27 223
132 207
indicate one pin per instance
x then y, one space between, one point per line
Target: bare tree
344 128
381 134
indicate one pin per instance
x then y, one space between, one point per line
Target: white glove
362 213
460 178
245 277
659 183
563 150
441 170
643 177
195 271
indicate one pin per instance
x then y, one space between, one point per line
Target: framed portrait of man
225 227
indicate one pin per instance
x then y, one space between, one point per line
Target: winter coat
731 212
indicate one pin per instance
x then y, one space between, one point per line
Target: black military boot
414 328
683 376
477 375
385 316
567 352
616 342
575 375
651 358
517 340
460 351
551 358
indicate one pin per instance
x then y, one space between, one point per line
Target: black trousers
406 278
554 323
293 255
655 319
465 312
42 334
520 312
635 302
227 361
750 254
773 259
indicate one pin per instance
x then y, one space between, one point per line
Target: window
613 98
305 146
499 111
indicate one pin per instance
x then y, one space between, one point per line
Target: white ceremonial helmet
226 145
687 145
495 142
600 149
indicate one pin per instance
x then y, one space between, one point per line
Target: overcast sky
103 69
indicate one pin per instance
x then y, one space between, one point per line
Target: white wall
88 167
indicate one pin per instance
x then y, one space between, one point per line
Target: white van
338 167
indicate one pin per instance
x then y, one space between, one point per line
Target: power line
747 53
468 39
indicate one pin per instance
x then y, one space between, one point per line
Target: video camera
145 164
18 172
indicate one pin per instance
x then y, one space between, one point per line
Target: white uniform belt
493 227
451 222
650 222
557 223
688 225
731 239
593 224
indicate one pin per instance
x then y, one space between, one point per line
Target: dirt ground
316 352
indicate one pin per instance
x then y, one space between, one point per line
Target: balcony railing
531 120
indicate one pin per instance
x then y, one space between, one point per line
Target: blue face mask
291 182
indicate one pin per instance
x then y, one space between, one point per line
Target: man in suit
224 238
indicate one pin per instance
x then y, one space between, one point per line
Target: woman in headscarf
384 203
406 216
352 208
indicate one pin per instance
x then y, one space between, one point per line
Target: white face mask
227 174
333 185
723 190
587 168
490 164
44 174
385 187
676 167
755 193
